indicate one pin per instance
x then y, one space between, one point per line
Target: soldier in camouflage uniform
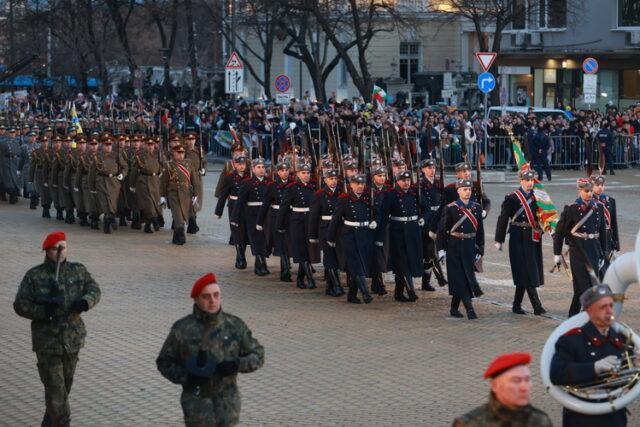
204 353
509 398
57 331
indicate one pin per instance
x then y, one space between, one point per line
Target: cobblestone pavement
328 363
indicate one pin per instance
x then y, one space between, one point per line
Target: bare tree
121 13
164 14
191 47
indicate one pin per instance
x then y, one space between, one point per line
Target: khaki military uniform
200 164
103 181
146 170
177 188
81 182
56 171
495 414
226 338
71 167
37 174
56 338
129 155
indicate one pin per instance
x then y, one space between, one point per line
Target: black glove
196 380
228 367
50 309
80 305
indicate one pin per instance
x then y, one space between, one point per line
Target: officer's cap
327 164
464 183
304 167
428 162
81 139
331 173
26 126
47 129
399 162
376 162
257 161
351 166
598 179
93 141
403 175
584 184
379 170
464 166
240 158
149 141
283 166
56 138
71 129
11 129
526 174
358 179
67 139
32 133
593 294
178 149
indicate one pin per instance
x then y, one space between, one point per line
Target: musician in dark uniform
432 191
463 171
610 220
461 239
267 216
585 353
401 210
294 210
322 208
518 217
230 189
380 260
250 199
581 223
352 220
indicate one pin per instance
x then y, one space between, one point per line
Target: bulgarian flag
546 212
379 95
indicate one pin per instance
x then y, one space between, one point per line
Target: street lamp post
300 46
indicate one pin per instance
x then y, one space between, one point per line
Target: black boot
70 219
517 300
94 222
364 289
260 268
135 221
83 219
123 221
329 288
408 281
352 295
160 221
176 239
182 237
398 292
377 284
241 261
535 301
334 277
455 303
45 212
311 283
471 314
193 226
147 228
155 224
59 214
374 284
13 199
426 278
34 203
107 226
300 278
285 269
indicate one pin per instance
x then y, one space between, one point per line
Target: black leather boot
364 289
285 269
241 261
352 295
182 237
155 224
107 226
176 239
535 301
260 268
471 313
83 219
378 280
147 228
300 278
455 304
45 211
311 283
334 277
408 281
70 218
517 300
135 221
13 199
60 214
94 222
426 278
398 293
123 221
33 205
193 228
160 221
374 284
329 288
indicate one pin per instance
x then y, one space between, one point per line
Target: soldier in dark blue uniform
230 189
463 171
267 216
581 223
404 215
250 199
322 208
380 260
461 239
608 204
540 145
518 217
9 158
432 191
584 353
294 210
352 220
604 137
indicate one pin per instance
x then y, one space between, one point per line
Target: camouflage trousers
202 411
56 373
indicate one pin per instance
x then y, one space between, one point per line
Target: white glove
65 187
606 364
258 227
478 256
76 189
120 177
332 244
194 200
46 184
19 173
235 224
380 244
484 214
421 222
203 171
442 253
498 246
219 216
432 235
557 259
373 225
314 241
93 192
163 201
30 183
132 189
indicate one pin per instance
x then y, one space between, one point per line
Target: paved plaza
327 363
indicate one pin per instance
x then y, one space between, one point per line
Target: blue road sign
486 82
590 66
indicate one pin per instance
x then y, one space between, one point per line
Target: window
553 13
409 60
536 14
628 13
519 15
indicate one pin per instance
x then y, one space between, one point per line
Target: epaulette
344 195
320 191
291 184
229 174
247 178
450 185
270 182
573 331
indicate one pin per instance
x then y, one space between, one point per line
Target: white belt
300 209
357 224
254 203
587 236
233 197
404 218
326 217
435 208
275 206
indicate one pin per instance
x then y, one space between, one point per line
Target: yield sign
486 59
234 61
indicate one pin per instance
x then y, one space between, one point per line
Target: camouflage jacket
65 332
225 338
495 414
